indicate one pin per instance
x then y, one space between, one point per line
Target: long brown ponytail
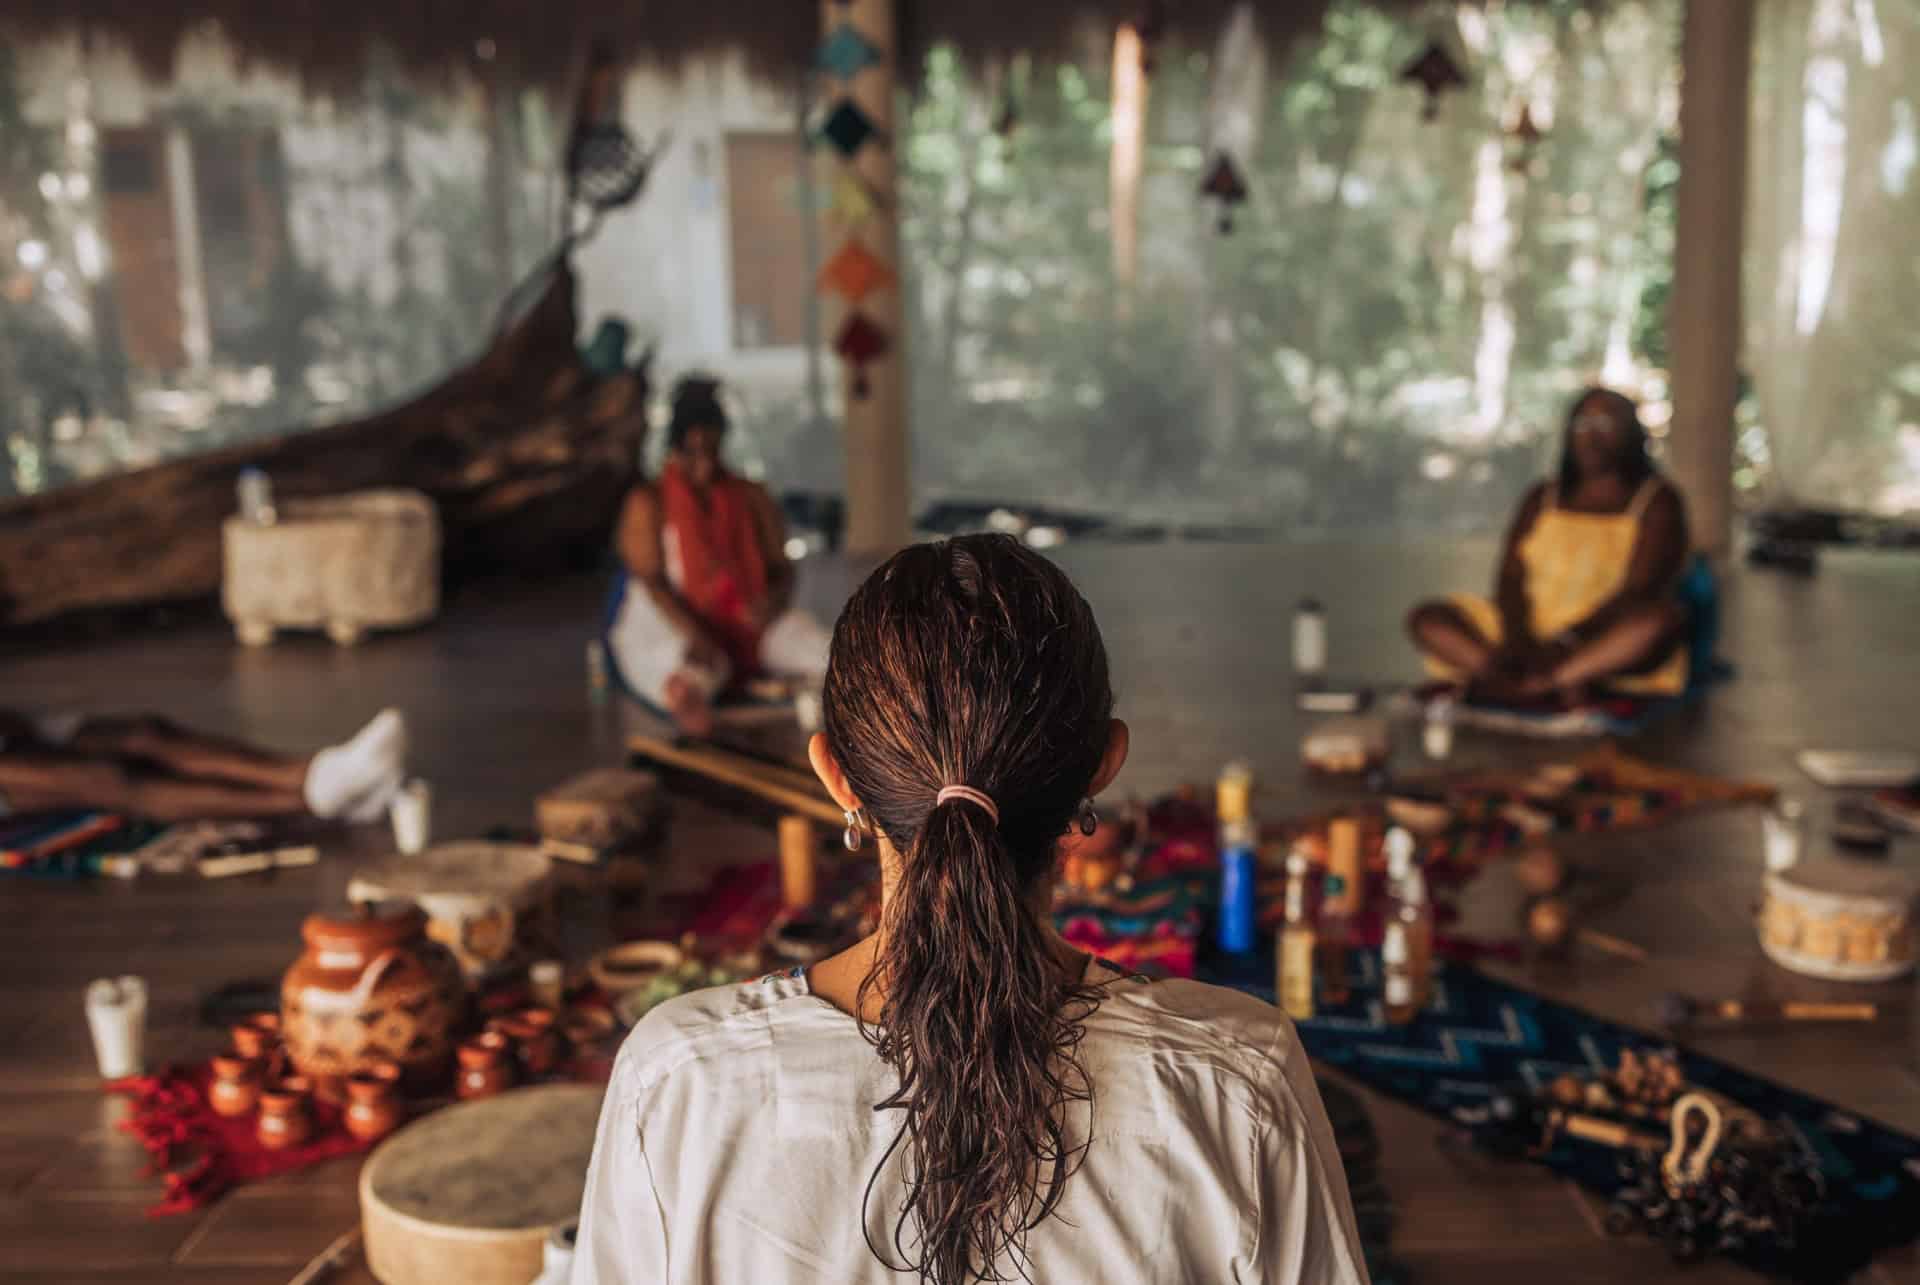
972 662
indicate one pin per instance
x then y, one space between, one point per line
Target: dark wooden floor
496 697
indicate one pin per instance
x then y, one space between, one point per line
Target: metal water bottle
1239 863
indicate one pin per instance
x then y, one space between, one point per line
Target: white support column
196 332
1703 317
875 426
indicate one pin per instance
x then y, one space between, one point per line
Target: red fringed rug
202 1155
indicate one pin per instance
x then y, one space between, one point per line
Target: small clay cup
374 1108
284 1118
486 1066
536 1040
257 1037
236 1085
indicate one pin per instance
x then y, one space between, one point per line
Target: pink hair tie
971 795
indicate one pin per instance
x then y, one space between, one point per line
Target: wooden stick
227 865
778 786
1612 945
1608 1133
1806 1010
799 850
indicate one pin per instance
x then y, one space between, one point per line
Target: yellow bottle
1343 861
1294 986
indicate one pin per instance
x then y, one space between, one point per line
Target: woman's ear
827 768
1112 759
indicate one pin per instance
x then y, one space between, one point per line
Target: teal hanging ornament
846 53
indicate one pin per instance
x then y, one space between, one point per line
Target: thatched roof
544 41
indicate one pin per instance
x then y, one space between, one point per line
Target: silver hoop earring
1089 819
854 836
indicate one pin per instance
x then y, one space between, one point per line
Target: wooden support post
875 432
799 859
1703 319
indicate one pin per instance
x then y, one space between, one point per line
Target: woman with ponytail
962 1096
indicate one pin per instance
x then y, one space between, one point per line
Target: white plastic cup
412 817
1783 832
117 1017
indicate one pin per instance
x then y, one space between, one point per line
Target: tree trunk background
526 453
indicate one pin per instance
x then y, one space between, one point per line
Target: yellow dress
1574 562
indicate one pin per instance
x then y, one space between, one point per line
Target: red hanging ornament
1436 72
1224 184
860 342
854 273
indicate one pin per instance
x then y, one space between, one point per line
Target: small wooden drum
1840 920
471 1192
486 902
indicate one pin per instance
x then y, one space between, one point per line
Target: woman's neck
1601 493
838 978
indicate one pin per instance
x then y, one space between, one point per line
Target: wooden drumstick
1550 924
1680 1010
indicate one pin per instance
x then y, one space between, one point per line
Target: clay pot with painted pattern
369 989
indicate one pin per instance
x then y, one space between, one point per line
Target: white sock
340 776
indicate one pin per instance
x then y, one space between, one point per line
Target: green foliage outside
1388 337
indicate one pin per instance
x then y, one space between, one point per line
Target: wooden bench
767 760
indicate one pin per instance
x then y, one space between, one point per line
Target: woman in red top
708 594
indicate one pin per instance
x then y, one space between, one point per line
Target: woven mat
1482 1037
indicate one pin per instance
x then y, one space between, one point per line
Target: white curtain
1832 272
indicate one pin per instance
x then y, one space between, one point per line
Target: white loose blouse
738 1139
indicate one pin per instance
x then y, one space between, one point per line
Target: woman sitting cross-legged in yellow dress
1588 589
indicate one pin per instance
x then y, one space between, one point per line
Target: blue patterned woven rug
1482 1037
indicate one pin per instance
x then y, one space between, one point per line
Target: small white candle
1309 639
412 817
117 1016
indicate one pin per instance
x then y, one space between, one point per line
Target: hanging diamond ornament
1224 184
1437 73
851 200
1526 135
854 273
848 128
846 53
859 343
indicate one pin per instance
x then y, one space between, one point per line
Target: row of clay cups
523 1045
253 1076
